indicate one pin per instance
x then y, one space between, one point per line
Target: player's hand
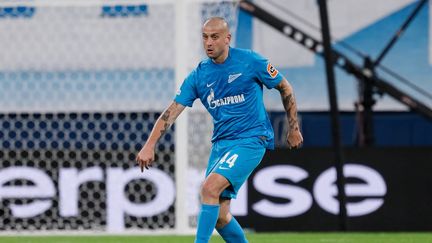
145 157
294 139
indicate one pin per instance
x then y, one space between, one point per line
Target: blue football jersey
232 92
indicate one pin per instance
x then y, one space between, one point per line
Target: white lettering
265 183
242 98
213 103
325 190
69 181
42 189
118 204
236 99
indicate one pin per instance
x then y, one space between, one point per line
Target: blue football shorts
235 160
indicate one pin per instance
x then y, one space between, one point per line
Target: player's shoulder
202 69
240 52
246 54
206 63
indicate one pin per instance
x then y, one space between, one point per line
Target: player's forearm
164 122
290 105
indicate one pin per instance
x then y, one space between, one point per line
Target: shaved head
216 23
216 39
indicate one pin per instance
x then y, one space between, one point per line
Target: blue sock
206 222
232 232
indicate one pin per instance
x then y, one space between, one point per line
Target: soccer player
230 85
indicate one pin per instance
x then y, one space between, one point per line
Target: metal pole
367 89
367 102
334 113
399 32
181 131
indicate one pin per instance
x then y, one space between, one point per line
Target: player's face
216 43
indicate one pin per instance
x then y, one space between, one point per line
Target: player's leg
224 213
237 163
227 226
209 213
230 164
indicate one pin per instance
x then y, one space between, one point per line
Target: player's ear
228 38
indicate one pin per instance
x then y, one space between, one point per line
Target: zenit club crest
272 71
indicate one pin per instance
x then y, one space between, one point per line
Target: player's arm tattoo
165 117
289 104
170 115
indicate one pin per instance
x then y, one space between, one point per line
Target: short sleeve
265 71
187 94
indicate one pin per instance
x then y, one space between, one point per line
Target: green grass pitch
253 238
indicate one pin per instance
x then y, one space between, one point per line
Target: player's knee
209 192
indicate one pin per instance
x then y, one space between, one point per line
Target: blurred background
83 81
